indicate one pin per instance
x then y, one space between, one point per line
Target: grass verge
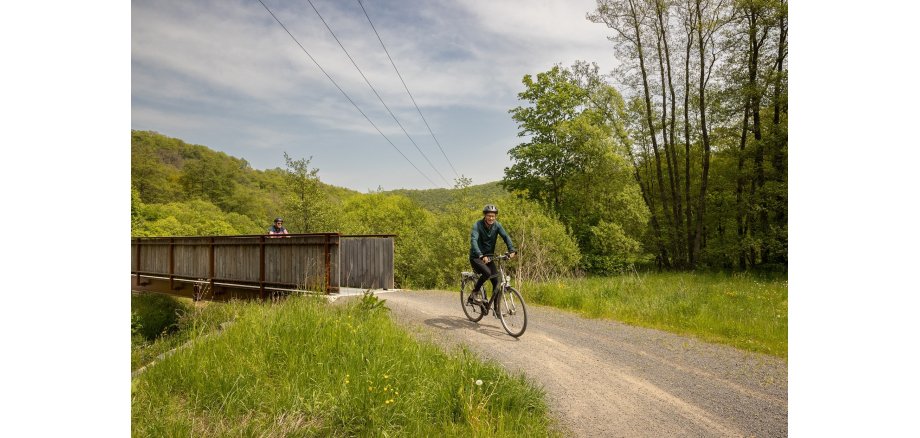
305 368
745 311
160 323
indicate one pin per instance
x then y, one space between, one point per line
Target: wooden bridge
223 267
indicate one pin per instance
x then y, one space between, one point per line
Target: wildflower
478 382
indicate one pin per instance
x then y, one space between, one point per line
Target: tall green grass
305 368
160 323
745 311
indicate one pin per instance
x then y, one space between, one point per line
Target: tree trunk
741 214
656 228
755 43
648 112
704 180
667 134
763 226
780 57
649 203
776 144
690 254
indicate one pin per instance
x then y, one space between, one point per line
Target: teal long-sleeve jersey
483 239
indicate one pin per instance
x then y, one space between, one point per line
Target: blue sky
226 75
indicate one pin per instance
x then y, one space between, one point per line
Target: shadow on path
455 323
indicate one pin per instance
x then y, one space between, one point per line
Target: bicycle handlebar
504 256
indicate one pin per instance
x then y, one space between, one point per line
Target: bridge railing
255 263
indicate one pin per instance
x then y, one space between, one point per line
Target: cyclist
482 241
277 228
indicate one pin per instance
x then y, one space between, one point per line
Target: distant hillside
166 169
436 200
195 184
187 189
182 189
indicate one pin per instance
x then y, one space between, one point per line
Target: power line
376 93
344 93
407 88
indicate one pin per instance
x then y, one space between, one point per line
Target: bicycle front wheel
473 310
512 312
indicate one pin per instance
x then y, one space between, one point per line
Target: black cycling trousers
485 271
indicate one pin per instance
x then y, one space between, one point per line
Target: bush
155 314
378 213
192 218
612 250
546 247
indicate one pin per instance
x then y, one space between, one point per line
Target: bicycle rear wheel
512 312
474 311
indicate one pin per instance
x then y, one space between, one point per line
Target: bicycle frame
502 285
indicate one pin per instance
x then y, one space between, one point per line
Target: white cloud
230 66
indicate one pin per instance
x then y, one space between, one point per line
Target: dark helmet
489 208
278 219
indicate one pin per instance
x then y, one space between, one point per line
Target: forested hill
437 200
181 189
169 170
176 185
166 169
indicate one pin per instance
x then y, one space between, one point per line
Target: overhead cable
344 93
376 93
407 89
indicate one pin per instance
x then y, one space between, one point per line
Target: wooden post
328 267
172 261
211 266
262 268
137 261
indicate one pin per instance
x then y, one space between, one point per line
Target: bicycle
506 302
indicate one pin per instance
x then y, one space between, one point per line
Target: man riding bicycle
482 242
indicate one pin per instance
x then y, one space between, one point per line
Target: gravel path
604 378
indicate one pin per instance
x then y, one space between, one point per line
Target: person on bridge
277 228
482 243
